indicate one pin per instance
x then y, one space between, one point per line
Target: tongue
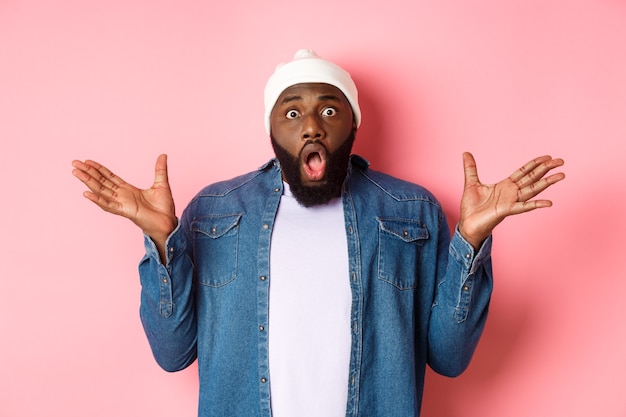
315 166
315 162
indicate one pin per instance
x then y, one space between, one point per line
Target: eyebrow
323 97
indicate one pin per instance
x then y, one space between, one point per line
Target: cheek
340 136
288 143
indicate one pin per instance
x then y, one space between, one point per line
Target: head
312 114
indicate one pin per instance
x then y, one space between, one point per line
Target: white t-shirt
309 310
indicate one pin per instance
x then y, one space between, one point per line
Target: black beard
324 191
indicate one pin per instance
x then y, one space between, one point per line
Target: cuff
175 243
465 252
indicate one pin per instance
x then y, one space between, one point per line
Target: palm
489 203
151 209
483 207
140 205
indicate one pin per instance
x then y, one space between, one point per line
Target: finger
526 206
105 172
528 167
90 177
469 167
539 172
99 199
79 171
96 171
160 171
96 177
104 200
537 187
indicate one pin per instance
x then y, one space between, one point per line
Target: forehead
320 91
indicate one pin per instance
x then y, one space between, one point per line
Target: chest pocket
399 246
216 247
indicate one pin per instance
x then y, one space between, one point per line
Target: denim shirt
418 296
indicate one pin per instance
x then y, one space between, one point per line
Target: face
312 130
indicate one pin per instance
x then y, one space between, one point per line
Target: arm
167 308
463 293
462 296
167 303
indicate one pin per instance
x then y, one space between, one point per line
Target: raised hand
151 209
483 207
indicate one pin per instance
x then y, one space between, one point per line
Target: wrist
160 235
474 238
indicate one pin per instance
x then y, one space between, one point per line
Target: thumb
160 171
469 167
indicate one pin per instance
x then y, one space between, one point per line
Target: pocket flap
215 226
407 230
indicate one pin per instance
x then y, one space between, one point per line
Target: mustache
312 142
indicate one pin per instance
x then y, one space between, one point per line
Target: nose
312 127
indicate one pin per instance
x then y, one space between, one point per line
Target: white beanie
307 67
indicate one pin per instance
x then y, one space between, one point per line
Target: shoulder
254 178
236 193
245 193
386 185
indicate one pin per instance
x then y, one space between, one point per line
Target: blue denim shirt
418 297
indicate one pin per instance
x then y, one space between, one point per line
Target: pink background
122 81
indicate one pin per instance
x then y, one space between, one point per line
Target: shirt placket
263 282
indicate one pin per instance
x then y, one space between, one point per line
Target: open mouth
313 159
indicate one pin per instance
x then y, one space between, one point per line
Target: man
315 286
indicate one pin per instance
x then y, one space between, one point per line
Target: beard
326 189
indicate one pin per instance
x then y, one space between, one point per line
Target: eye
329 111
292 114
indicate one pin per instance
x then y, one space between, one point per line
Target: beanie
308 67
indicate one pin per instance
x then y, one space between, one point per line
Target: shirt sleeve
461 304
167 308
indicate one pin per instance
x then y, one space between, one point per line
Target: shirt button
266 226
465 288
261 328
468 255
262 277
171 250
263 380
276 189
164 281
